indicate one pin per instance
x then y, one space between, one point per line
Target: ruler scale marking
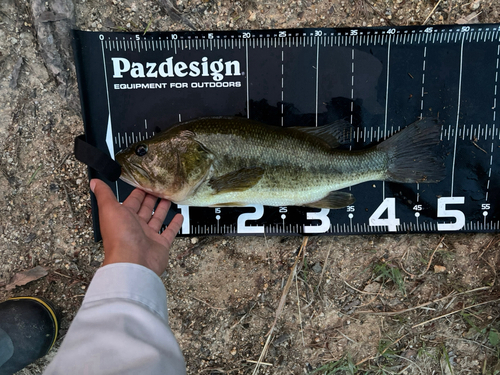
458 118
317 82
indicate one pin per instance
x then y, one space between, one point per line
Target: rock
439 269
53 29
475 5
372 288
281 339
14 75
30 238
317 268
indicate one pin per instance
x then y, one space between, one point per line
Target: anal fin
229 204
334 200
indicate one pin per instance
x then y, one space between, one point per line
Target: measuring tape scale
386 76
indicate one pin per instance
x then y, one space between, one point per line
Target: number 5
457 214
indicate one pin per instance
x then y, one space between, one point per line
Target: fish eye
141 150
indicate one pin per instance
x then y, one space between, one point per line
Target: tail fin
412 153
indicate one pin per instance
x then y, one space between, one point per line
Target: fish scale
378 79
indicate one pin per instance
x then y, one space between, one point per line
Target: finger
159 216
173 228
147 207
134 200
103 193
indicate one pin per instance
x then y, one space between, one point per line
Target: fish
233 161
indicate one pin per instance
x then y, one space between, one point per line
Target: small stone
281 339
475 5
439 269
317 268
30 238
372 288
194 240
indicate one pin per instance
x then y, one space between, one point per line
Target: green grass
305 269
384 348
390 273
494 338
345 365
33 176
446 358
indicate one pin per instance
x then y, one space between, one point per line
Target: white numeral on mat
456 214
391 222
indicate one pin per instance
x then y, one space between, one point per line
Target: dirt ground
357 303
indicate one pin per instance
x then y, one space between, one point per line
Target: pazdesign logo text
218 69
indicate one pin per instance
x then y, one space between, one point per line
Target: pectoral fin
239 180
335 199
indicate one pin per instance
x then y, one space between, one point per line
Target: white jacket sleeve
121 328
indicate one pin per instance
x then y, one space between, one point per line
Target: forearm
122 327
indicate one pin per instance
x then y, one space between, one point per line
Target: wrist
122 254
133 255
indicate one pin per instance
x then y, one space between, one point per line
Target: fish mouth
131 172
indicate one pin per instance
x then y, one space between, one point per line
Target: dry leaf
438 269
23 278
471 18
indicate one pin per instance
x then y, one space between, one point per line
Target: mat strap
96 159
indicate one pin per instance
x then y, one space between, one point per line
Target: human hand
130 231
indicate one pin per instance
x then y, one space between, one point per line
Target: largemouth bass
232 161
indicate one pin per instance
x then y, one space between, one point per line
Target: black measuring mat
379 79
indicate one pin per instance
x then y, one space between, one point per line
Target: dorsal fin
337 133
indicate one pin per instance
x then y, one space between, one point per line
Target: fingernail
92 185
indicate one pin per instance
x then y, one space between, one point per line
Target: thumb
102 192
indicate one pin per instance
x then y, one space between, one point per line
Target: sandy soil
357 301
